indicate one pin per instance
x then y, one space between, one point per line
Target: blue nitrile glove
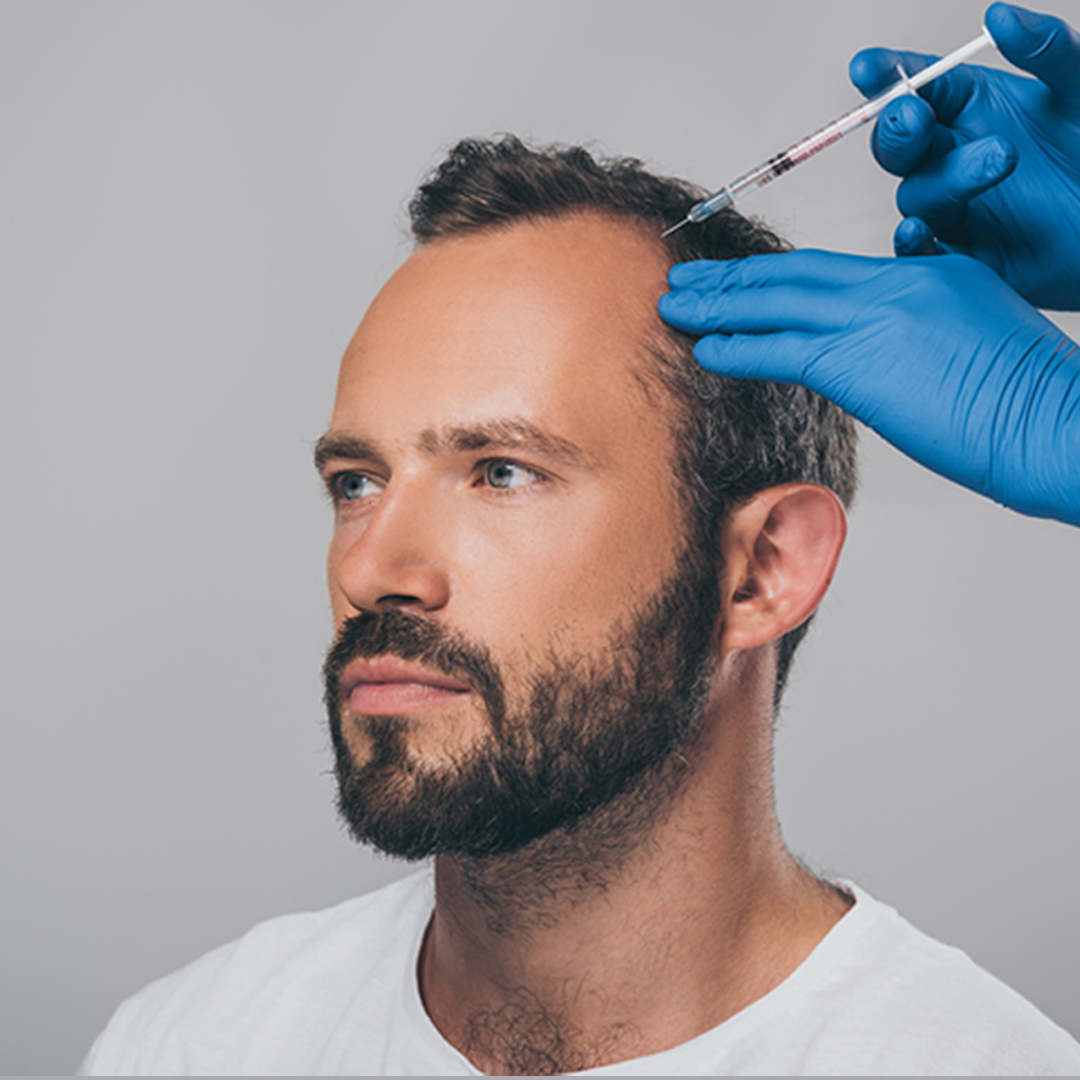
986 126
938 355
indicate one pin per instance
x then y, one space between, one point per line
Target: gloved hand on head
990 159
938 355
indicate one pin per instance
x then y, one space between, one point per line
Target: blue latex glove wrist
938 355
991 160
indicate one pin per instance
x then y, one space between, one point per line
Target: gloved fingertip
1001 157
1020 35
913 237
860 69
682 309
872 70
708 353
1042 45
683 275
903 134
906 116
984 163
673 303
1008 23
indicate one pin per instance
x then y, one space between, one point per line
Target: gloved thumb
1043 45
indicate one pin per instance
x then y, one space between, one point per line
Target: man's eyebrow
509 434
339 445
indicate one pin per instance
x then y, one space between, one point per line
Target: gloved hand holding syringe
940 351
806 148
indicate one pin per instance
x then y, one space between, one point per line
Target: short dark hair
735 437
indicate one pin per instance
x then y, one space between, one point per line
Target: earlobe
780 551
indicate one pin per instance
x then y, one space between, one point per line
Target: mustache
408 636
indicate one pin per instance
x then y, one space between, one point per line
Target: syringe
830 133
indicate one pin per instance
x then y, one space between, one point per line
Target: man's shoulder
369 924
284 974
877 997
931 1006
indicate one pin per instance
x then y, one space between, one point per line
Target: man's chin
407 803
411 743
480 811
409 811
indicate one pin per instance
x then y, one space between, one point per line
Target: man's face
509 572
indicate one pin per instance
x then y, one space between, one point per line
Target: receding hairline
660 347
648 228
659 337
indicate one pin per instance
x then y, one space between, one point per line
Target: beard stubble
593 748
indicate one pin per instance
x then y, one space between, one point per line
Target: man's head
532 483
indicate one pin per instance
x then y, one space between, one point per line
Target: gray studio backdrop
199 200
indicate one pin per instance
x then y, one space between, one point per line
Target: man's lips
383 687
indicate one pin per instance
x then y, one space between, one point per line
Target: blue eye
353 485
505 474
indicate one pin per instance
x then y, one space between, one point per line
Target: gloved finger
939 192
874 70
914 237
1043 45
699 274
806 359
760 311
903 134
776 358
805 267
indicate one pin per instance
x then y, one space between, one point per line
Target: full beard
590 753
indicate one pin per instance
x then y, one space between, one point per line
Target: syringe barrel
798 152
832 132
712 205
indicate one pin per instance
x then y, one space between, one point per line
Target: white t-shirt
335 993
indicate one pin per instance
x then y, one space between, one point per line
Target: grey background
199 200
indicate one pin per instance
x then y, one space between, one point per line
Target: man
569 571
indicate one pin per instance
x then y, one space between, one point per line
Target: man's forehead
582 273
545 321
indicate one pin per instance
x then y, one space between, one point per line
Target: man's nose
396 560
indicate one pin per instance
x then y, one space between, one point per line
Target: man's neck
558 958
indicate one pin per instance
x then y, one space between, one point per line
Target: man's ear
780 552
